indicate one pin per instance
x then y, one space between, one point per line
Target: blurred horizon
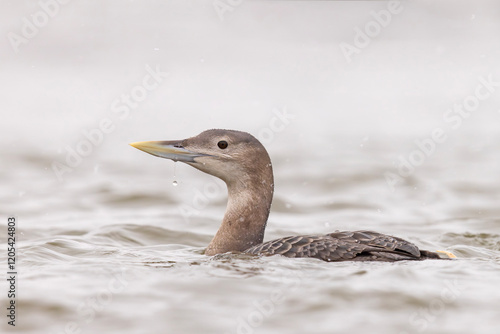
236 72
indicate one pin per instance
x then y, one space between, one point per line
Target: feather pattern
344 246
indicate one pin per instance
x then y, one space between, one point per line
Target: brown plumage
344 246
243 163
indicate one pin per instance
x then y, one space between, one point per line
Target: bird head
227 154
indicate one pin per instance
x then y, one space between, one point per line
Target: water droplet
174 183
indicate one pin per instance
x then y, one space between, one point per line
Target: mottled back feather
344 246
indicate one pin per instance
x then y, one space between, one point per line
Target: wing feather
341 246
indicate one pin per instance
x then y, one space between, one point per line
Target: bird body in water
243 163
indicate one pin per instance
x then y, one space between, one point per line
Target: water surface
121 250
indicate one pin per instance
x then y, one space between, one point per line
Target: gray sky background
233 72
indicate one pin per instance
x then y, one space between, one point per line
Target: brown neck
248 206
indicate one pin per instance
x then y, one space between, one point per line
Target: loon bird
243 163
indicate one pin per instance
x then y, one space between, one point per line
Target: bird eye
222 144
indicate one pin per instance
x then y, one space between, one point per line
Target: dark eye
222 144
